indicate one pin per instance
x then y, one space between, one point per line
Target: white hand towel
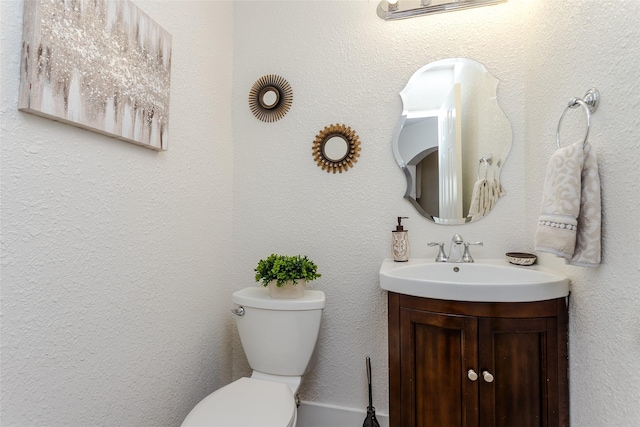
570 218
588 239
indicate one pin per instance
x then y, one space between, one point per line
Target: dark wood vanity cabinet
467 364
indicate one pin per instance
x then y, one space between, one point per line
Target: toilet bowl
246 402
278 337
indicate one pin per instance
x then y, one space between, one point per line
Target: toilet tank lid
258 297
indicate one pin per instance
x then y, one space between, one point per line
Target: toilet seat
247 402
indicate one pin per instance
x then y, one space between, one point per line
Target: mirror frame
351 154
284 98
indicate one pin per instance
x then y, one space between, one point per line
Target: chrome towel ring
589 104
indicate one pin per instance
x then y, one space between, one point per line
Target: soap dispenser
400 244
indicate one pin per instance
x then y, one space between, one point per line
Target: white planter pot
288 290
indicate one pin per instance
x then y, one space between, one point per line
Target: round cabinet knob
487 376
471 374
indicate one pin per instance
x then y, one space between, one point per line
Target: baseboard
311 414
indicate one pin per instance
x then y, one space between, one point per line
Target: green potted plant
286 276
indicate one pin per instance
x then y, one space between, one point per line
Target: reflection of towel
570 218
496 191
476 209
484 197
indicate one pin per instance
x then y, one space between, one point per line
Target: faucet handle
441 255
466 257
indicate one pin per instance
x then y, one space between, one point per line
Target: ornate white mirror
452 140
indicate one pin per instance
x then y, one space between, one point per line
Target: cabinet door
437 351
520 355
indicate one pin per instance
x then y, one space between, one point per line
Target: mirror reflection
269 97
335 148
452 140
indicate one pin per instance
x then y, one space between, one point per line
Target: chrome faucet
442 257
466 257
458 250
455 249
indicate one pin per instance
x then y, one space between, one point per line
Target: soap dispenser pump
400 244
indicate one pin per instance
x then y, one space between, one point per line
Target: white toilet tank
278 335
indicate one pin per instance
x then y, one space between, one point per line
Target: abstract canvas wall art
102 65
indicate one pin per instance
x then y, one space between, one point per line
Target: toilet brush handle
369 381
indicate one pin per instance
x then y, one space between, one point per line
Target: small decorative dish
521 258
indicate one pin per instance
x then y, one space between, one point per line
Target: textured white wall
115 271
115 276
573 46
346 65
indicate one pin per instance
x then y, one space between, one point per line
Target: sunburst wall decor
336 148
270 98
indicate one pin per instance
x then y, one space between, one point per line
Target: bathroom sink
489 280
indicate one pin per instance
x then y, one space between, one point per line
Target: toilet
278 337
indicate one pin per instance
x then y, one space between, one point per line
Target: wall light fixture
402 9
